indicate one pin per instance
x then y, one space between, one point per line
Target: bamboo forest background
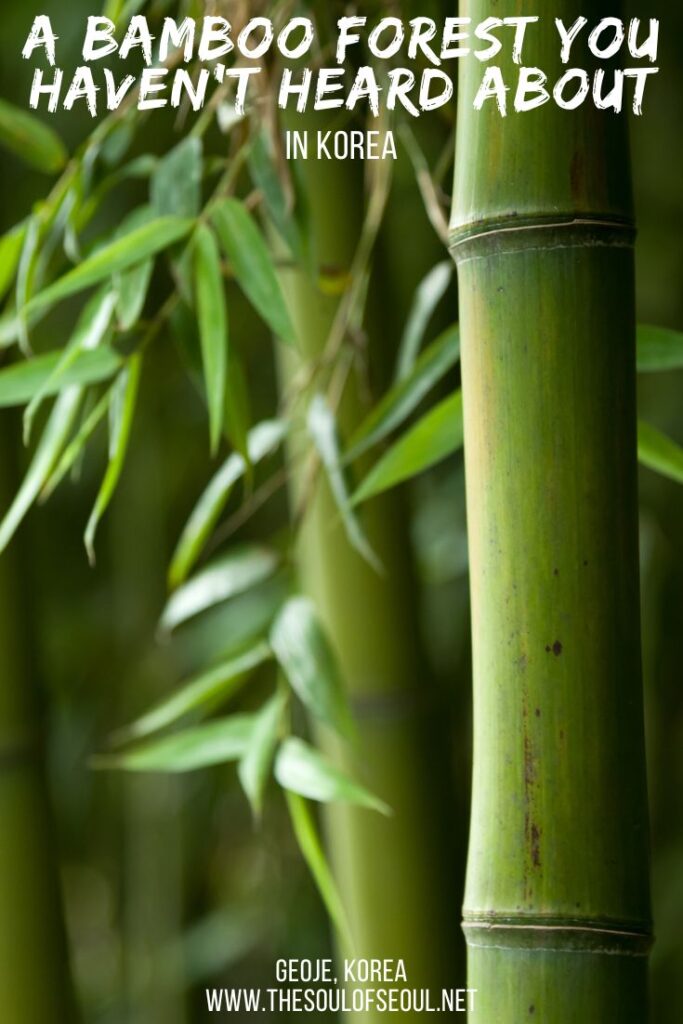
167 884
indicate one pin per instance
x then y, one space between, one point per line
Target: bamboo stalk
390 872
557 914
35 981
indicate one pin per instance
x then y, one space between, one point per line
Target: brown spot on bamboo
557 648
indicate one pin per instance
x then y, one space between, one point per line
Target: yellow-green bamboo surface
557 914
390 871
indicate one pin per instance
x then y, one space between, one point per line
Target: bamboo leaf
303 770
262 440
237 410
402 399
26 274
306 658
254 768
231 574
75 447
658 348
131 288
51 444
312 850
11 245
438 434
112 258
266 178
22 381
323 430
27 136
202 691
427 297
175 185
215 742
121 411
213 327
659 452
253 267
89 331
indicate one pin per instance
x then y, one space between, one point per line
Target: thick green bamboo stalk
390 872
34 977
556 914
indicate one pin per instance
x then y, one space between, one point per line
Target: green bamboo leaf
131 288
252 264
121 411
659 452
26 276
237 414
323 430
90 329
262 440
22 381
175 185
213 327
404 397
215 742
218 683
658 348
234 572
11 245
52 442
254 768
112 258
438 434
303 770
76 446
427 297
32 140
313 853
265 176
306 658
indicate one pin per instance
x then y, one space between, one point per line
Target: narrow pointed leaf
438 434
112 258
203 691
35 142
89 331
213 327
427 297
313 853
175 186
402 399
252 264
265 175
303 770
75 447
52 442
262 440
215 742
231 574
306 658
323 430
22 381
131 291
121 411
254 768
658 348
659 452
26 274
10 250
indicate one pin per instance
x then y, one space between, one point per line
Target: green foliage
25 134
215 742
427 297
252 265
303 770
21 382
213 327
255 766
230 574
659 452
434 437
308 663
